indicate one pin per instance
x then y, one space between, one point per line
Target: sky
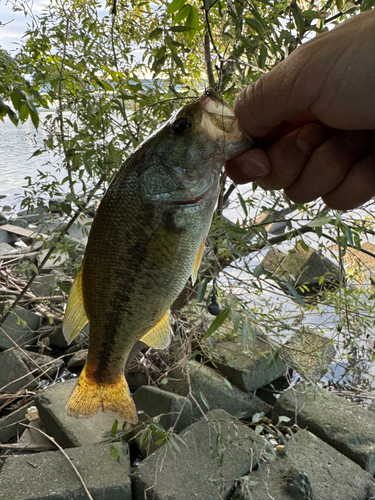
14 24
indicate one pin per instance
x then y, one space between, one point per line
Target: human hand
315 113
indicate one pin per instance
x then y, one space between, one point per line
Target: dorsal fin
159 337
75 316
197 263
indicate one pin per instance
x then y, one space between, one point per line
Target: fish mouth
221 125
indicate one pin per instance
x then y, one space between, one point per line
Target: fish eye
181 126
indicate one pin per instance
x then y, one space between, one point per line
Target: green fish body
147 238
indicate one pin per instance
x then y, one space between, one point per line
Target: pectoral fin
75 315
159 337
197 263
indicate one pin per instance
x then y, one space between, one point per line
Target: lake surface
17 145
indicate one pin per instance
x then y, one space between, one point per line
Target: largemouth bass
147 238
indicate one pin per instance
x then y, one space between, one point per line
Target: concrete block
34 440
10 425
217 392
167 409
50 476
342 424
69 431
300 268
14 374
312 470
309 354
215 452
249 367
18 328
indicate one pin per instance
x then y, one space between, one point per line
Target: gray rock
78 360
19 223
340 423
10 425
41 365
19 328
32 216
312 470
6 249
35 440
165 408
302 269
215 453
14 374
249 367
217 392
6 236
309 353
53 263
44 286
81 341
50 476
69 431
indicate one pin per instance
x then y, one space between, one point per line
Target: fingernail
256 168
303 146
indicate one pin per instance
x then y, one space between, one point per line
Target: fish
146 240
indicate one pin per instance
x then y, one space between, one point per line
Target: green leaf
63 287
349 6
155 33
299 21
258 271
114 428
217 322
179 29
228 383
178 61
192 21
262 56
319 222
114 452
313 14
204 401
201 290
367 4
175 6
34 268
254 24
295 294
38 152
23 112
182 14
243 204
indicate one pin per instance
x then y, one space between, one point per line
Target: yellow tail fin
89 397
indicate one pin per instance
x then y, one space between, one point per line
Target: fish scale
146 240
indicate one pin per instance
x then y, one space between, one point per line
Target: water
17 145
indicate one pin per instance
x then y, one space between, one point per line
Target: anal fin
159 337
75 315
197 263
